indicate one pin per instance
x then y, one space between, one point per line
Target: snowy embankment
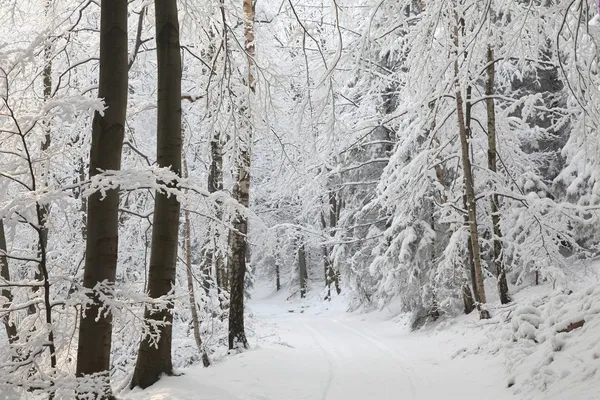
536 349
550 340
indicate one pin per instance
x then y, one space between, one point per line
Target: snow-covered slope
550 341
549 338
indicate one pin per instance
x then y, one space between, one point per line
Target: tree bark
302 271
277 277
95 331
241 193
474 294
326 261
190 277
213 256
331 275
468 301
498 260
470 194
154 359
277 266
44 208
11 328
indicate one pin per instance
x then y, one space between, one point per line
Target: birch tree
241 192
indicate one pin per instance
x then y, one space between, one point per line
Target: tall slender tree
498 260
241 192
189 274
44 208
108 127
154 358
302 271
469 188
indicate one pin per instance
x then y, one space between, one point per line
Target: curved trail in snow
349 357
317 353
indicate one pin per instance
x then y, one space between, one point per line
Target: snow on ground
549 338
543 346
316 351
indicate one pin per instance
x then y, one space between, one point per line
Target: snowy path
329 355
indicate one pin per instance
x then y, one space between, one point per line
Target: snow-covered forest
200 187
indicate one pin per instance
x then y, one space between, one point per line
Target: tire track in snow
378 343
328 354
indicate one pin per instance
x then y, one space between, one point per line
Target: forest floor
316 351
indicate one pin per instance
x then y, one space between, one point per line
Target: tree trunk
331 275
474 294
470 194
277 266
192 296
472 210
44 208
302 271
213 256
11 328
190 277
241 193
498 260
326 261
154 359
468 301
93 354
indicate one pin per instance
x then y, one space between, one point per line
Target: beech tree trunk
498 260
241 193
154 359
470 194
11 328
95 331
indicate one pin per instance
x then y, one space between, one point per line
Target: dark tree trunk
93 355
11 328
277 266
469 302
492 153
154 359
302 271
